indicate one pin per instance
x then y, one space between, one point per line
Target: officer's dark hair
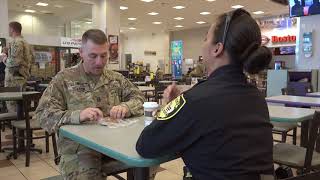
16 26
241 37
95 35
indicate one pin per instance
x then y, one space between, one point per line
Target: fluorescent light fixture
211 0
132 28
147 0
237 6
153 13
89 22
42 4
157 22
178 7
77 26
58 6
132 19
200 22
123 7
29 11
179 26
205 13
258 12
178 18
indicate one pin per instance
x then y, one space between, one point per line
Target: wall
288 59
35 24
136 43
192 41
307 24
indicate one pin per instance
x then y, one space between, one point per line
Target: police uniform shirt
220 128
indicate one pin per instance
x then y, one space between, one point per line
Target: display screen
304 7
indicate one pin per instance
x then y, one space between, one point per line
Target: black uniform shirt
220 128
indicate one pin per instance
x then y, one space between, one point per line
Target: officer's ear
217 50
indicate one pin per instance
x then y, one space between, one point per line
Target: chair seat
8 116
292 155
22 124
112 167
283 127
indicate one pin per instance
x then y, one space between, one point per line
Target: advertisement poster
176 59
113 49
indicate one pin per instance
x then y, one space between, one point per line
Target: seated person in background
199 70
159 74
221 126
314 8
86 92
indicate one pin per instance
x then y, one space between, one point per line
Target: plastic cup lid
150 105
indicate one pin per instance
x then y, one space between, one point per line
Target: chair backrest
310 176
30 103
313 135
10 89
288 91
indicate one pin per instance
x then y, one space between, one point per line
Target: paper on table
111 123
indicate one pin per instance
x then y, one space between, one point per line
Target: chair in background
284 128
301 158
28 125
7 117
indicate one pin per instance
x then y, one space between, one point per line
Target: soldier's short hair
95 35
16 26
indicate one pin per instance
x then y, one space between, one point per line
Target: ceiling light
179 26
121 30
147 0
58 6
89 22
123 7
258 12
132 28
157 23
77 26
153 13
178 18
205 13
179 7
132 19
42 4
200 22
211 0
237 6
29 11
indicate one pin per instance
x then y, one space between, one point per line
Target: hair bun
257 60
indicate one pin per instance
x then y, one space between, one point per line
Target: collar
226 70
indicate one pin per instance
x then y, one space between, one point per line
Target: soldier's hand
90 114
119 112
170 93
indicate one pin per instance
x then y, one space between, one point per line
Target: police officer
87 92
221 126
18 61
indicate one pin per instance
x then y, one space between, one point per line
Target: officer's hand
119 112
3 58
170 93
90 114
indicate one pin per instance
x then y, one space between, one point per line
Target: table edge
143 162
293 103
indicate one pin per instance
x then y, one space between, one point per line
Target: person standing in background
18 61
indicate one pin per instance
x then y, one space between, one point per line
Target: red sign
283 39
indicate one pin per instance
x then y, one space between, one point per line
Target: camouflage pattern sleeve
133 98
16 50
52 110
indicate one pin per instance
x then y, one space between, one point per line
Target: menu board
176 59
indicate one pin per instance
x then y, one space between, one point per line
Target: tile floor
42 165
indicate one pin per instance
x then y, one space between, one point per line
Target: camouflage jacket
19 58
72 90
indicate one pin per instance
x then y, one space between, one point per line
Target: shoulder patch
172 108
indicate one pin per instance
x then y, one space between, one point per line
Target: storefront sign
264 40
283 39
70 42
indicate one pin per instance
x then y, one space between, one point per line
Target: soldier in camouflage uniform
18 62
87 92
